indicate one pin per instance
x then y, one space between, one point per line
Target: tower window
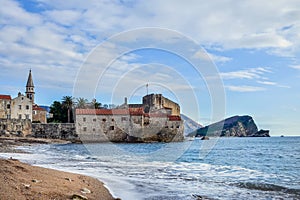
27 107
8 106
20 116
20 107
111 128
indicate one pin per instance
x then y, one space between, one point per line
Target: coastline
23 181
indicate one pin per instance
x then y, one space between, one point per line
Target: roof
6 97
174 118
102 112
36 107
29 81
132 112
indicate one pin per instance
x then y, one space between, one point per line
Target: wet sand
22 181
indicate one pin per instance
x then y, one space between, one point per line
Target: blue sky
254 46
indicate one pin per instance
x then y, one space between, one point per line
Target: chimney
125 100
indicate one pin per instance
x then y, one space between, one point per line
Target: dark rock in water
205 138
261 133
237 126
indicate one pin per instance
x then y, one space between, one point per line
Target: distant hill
189 124
236 126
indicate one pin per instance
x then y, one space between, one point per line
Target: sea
219 168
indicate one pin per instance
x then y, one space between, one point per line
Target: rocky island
236 126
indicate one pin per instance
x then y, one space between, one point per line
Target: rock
27 186
78 197
205 138
68 179
237 126
261 133
85 191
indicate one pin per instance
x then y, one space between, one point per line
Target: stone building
39 114
23 106
5 102
154 120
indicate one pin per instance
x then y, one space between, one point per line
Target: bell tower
30 88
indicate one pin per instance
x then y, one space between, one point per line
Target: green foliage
59 113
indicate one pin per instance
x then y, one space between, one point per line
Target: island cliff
236 126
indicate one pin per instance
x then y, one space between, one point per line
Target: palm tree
81 102
96 104
68 102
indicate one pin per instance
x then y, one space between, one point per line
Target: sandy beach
22 181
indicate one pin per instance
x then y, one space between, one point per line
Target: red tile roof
102 112
135 112
35 107
6 97
174 118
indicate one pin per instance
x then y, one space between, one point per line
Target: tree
81 102
58 112
68 102
95 104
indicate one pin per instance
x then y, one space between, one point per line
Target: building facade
22 107
147 122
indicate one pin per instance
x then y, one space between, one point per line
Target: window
34 112
84 128
20 107
124 119
84 119
27 107
178 126
111 128
27 116
112 120
94 129
104 120
8 106
20 116
8 116
94 119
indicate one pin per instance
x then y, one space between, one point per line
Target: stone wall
15 127
127 128
65 131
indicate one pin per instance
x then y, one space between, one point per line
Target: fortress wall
17 127
65 131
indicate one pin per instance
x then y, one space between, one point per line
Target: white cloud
209 56
253 73
295 67
244 88
63 17
267 82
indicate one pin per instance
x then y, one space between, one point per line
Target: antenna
147 85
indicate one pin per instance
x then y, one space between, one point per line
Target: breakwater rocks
237 126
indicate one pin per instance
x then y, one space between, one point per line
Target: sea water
220 168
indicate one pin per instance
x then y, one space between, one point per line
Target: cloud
295 67
210 56
244 88
267 82
253 73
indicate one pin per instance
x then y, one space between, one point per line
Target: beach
22 181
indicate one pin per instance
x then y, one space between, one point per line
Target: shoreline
23 181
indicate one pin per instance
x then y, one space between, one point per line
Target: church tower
30 88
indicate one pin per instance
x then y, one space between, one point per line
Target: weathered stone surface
237 126
65 131
15 127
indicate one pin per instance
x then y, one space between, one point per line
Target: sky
215 58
